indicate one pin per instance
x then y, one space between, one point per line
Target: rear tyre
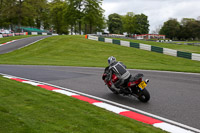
144 96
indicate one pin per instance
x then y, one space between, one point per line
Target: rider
119 69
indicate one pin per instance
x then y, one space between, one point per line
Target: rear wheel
144 96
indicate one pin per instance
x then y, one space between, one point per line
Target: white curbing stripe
9 77
31 83
109 107
171 128
65 92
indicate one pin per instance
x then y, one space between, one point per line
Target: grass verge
25 108
78 51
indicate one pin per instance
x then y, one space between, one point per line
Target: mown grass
78 51
184 48
7 39
28 109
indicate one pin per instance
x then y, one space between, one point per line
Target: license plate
142 85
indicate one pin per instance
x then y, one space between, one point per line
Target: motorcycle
136 86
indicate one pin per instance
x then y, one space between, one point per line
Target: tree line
86 16
62 15
187 29
57 15
130 23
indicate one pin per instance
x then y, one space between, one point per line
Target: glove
104 76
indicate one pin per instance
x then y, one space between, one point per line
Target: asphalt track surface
19 44
175 96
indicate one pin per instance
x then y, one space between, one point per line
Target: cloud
158 11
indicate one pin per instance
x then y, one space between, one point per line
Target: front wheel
114 91
144 96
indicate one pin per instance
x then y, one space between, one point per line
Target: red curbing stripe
139 117
8 42
20 80
48 87
86 99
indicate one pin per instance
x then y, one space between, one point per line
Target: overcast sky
158 11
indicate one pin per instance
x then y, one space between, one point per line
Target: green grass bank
78 51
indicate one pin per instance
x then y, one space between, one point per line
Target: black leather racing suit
119 69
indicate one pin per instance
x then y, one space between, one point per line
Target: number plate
142 85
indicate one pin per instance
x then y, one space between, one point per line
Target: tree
188 28
23 12
37 9
129 23
93 15
59 14
57 9
74 14
7 16
142 24
171 29
115 23
193 30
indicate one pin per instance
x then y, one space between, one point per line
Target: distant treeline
187 29
77 16
130 23
57 15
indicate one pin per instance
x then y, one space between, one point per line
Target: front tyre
144 96
114 91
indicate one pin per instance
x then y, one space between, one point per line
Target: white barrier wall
1 36
108 40
93 38
44 33
125 43
145 47
169 52
196 57
34 33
